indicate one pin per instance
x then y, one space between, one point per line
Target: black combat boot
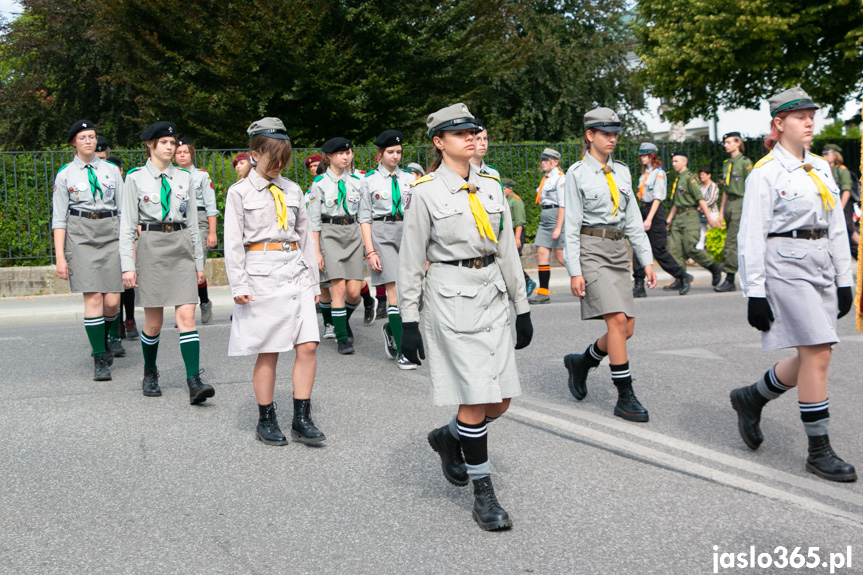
198 390
716 270
487 512
823 462
685 284
109 355
382 307
628 406
116 346
727 285
638 290
673 286
268 430
578 365
100 368
747 402
150 385
451 460
303 428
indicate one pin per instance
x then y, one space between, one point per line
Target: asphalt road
96 478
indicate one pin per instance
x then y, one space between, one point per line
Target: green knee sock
351 307
150 348
95 327
190 348
327 312
395 320
112 326
340 323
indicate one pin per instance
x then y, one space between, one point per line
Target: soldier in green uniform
734 172
519 221
833 154
684 225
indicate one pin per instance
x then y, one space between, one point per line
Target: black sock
367 297
128 298
544 273
202 292
815 416
594 354
350 308
621 377
474 442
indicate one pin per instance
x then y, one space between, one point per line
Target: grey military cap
647 148
415 168
604 119
269 127
792 99
548 153
455 117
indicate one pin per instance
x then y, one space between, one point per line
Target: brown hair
586 149
773 137
655 162
839 159
278 150
380 153
152 144
191 149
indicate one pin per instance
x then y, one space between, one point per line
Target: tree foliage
703 54
326 67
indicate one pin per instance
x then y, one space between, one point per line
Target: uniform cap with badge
732 135
102 144
334 145
508 183
647 148
603 119
389 138
159 130
185 142
313 158
680 153
269 127
549 154
415 168
455 117
792 99
79 126
832 148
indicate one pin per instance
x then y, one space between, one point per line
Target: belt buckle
477 263
813 234
167 227
286 246
93 215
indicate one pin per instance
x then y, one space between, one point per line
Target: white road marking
697 352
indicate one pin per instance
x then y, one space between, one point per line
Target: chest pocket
447 224
257 213
293 211
593 199
495 217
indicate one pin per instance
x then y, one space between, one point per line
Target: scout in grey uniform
385 193
652 191
269 259
550 197
103 148
601 210
86 226
159 200
481 143
457 220
734 172
795 268
205 195
334 201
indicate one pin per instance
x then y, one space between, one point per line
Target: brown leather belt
284 246
475 263
603 233
802 234
92 215
684 210
168 227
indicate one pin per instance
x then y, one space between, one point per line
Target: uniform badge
82 187
330 203
406 200
72 191
385 195
782 192
312 196
154 198
182 207
146 198
377 196
212 187
179 196
108 193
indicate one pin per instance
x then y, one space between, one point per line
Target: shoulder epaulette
616 161
763 160
842 167
355 176
133 170
318 178
817 156
725 161
111 164
202 170
184 170
63 167
369 173
484 175
423 179
516 196
492 167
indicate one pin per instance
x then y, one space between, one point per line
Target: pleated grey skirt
92 251
607 278
547 222
386 239
166 269
342 248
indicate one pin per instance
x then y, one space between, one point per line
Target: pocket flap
458 291
254 204
500 285
494 209
259 269
794 252
445 212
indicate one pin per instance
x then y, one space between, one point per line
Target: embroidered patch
312 196
109 193
182 207
155 198
212 187
406 200
330 203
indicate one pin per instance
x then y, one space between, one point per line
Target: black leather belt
475 263
92 215
202 209
551 207
166 227
340 221
802 234
684 210
396 218
603 233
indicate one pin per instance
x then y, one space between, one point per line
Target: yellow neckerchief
612 186
728 175
479 213
826 196
281 208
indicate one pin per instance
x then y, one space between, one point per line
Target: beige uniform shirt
439 227
250 218
141 203
72 189
323 197
588 203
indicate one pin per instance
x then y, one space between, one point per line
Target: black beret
159 130
732 135
334 145
389 138
102 144
480 125
680 153
116 161
79 126
185 142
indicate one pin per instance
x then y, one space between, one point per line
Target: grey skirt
166 269
547 222
468 338
801 290
203 231
608 285
92 251
386 239
282 315
342 248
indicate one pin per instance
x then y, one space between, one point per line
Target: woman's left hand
555 234
212 241
846 300
375 263
201 278
523 330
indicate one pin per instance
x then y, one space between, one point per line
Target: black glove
760 315
412 342
523 330
846 300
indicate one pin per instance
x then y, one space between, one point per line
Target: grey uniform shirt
486 169
72 189
324 197
655 184
781 197
205 192
552 192
588 201
141 203
250 218
439 227
377 190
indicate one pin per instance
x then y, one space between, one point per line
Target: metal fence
27 178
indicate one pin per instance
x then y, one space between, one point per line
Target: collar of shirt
257 181
79 163
682 176
331 175
788 161
596 166
452 180
170 171
385 173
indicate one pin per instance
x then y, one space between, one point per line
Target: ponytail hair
586 149
773 137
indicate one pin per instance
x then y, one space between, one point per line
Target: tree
703 54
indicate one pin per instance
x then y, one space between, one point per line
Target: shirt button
492 353
485 307
793 252
819 269
485 283
458 292
494 377
488 329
